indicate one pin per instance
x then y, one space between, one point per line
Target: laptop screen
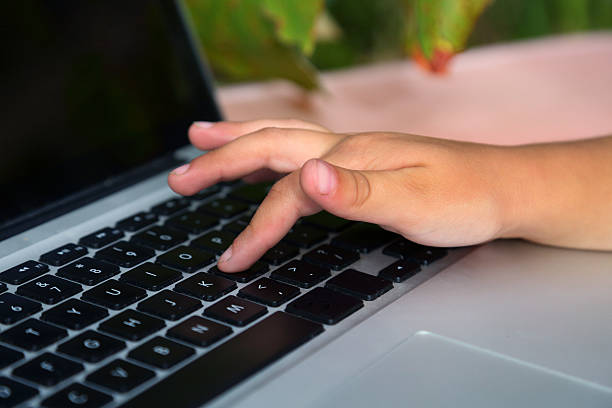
90 90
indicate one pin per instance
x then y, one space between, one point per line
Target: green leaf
295 21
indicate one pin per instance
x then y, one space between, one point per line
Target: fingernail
226 255
181 170
326 177
203 124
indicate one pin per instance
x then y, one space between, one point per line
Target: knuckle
361 192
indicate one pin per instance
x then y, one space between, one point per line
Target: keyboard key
8 356
251 193
77 396
205 286
91 346
324 305
132 325
275 336
113 294
121 376
169 305
192 223
326 222
304 236
257 269
280 253
269 292
223 208
49 289
32 335
48 369
125 254
23 272
363 237
14 308
199 331
359 284
137 221
88 271
328 256
13 393
186 259
171 206
215 242
238 225
151 276
74 314
64 254
236 311
300 273
400 270
102 237
160 352
207 192
405 249
3 287
160 238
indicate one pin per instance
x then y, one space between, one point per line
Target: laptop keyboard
140 305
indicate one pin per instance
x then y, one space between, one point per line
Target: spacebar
233 361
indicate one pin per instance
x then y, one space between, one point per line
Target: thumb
362 195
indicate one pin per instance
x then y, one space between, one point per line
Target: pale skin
432 191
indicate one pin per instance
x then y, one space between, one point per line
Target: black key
280 253
48 369
49 289
251 193
238 225
32 335
121 376
207 192
14 308
3 287
13 393
193 223
304 236
23 272
275 336
171 207
236 311
205 286
151 276
125 254
8 356
327 222
91 346
102 237
269 292
160 352
400 270
331 257
113 294
88 271
223 208
137 221
257 269
169 305
215 242
199 331
324 305
186 259
300 273
363 238
74 314
64 254
160 238
405 249
359 284
77 396
132 325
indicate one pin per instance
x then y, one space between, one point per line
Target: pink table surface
549 89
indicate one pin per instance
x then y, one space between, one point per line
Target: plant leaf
295 21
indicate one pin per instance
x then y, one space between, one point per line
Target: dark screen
89 90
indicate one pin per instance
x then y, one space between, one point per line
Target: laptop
109 294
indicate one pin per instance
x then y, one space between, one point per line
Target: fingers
210 135
280 150
284 204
